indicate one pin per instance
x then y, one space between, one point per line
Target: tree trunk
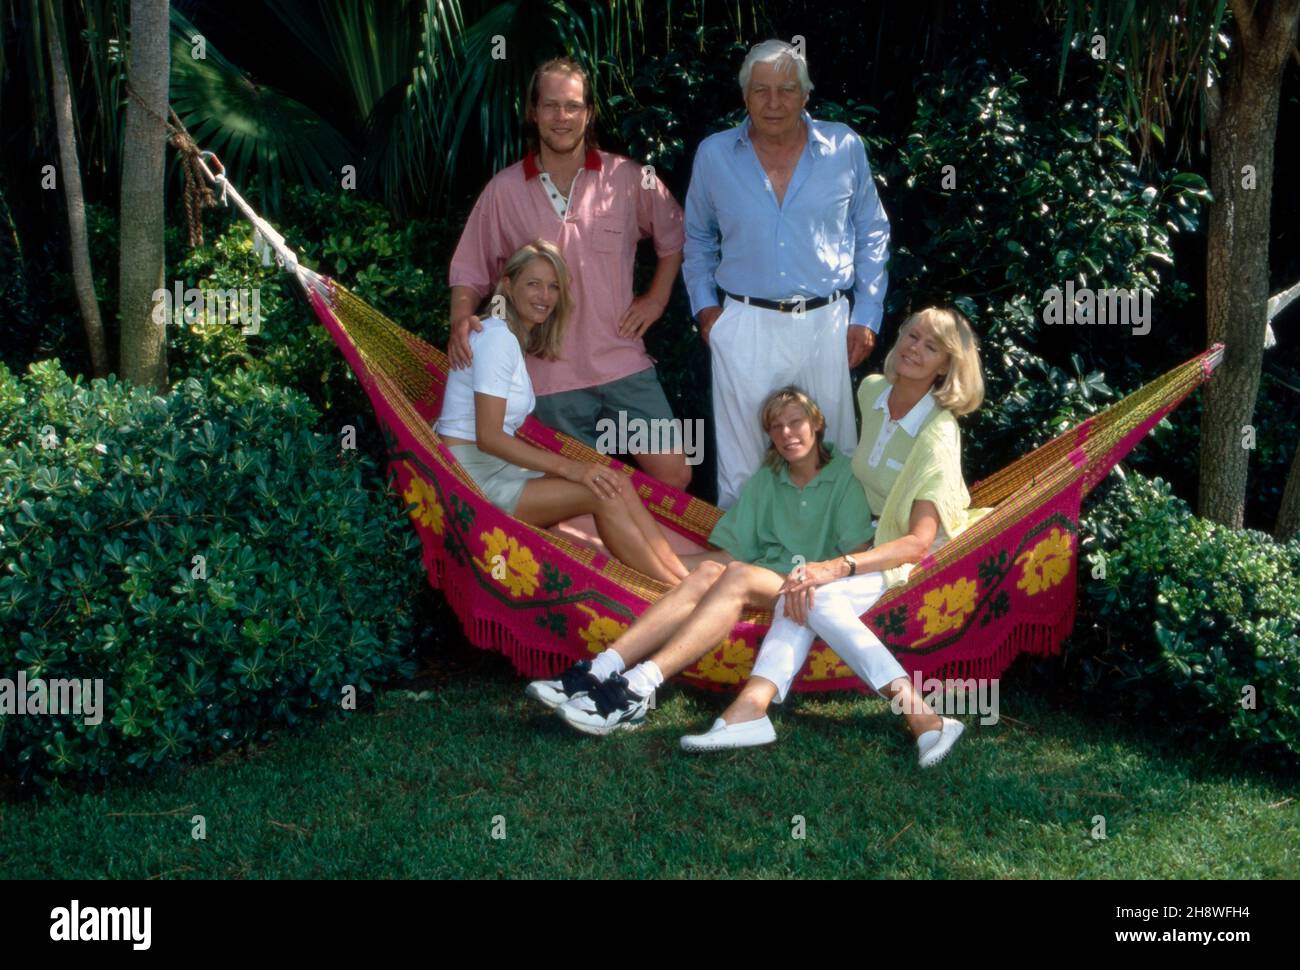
83 280
1242 134
144 340
1288 517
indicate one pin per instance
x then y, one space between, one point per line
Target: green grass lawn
411 789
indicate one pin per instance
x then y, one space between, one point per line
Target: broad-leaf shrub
1190 620
109 493
398 267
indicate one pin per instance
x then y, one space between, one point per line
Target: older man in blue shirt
783 223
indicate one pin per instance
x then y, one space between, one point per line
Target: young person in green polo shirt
802 505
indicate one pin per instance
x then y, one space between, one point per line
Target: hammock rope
1003 587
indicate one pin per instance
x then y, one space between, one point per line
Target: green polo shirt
774 520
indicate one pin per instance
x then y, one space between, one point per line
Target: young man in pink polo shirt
595 206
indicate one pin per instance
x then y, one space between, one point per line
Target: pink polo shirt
612 206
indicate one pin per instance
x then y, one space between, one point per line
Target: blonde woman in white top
485 404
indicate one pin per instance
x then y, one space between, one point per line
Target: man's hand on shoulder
458 346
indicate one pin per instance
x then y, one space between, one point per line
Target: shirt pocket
607 233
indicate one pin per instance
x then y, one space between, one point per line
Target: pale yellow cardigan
932 472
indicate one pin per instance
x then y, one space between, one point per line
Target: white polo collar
910 422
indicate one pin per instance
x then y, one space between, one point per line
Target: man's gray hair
779 54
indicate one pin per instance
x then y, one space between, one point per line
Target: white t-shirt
498 369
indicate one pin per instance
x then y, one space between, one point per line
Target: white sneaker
745 734
933 746
609 706
574 682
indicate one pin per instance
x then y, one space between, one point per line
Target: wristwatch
853 565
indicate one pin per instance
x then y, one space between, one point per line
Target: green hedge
1187 615
399 267
107 495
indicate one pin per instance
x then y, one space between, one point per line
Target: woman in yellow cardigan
909 463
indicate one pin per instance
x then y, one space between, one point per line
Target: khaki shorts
501 481
577 412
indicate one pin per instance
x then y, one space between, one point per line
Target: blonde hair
775 403
545 339
961 390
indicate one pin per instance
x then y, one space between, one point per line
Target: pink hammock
1004 586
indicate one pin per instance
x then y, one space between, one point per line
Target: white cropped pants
835 617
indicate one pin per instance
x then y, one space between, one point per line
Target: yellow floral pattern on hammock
729 663
946 608
428 510
601 631
826 665
509 563
1047 564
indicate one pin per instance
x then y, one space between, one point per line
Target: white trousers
755 352
835 617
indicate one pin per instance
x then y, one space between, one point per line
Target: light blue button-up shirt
830 232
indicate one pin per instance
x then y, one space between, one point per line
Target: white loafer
933 746
720 737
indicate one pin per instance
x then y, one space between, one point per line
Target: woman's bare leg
752 702
920 717
546 501
617 526
693 560
652 532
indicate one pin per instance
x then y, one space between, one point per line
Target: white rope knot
265 239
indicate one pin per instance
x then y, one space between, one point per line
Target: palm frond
407 143
467 94
370 44
254 128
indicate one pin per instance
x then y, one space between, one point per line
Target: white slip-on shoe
933 746
722 736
